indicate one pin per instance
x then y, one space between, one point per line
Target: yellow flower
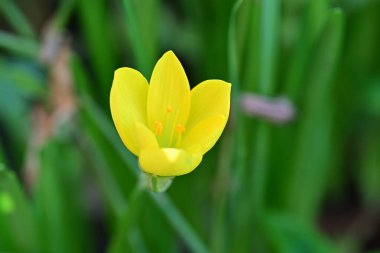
165 124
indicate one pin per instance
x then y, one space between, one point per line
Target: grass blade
59 208
269 46
144 47
16 18
19 45
313 138
18 230
96 29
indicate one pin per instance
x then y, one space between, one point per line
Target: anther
158 128
169 109
180 128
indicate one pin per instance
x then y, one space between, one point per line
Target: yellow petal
168 161
144 138
128 104
208 99
203 136
169 95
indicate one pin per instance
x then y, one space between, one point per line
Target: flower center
169 131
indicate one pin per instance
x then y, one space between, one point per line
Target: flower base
157 183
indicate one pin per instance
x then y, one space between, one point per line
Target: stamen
169 109
158 128
180 128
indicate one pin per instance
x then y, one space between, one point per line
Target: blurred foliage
67 184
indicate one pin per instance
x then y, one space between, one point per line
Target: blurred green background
310 184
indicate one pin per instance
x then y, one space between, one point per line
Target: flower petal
208 99
169 94
144 138
203 136
128 104
168 161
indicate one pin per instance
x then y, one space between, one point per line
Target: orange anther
180 128
169 109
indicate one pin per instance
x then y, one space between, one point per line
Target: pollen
180 128
158 128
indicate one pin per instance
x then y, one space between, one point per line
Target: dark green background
309 185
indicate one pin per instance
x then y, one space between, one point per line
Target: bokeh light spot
6 203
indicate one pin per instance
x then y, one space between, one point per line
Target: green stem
127 220
179 223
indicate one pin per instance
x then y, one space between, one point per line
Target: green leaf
18 230
286 235
16 18
312 26
96 28
313 140
19 45
24 78
59 201
368 171
142 27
